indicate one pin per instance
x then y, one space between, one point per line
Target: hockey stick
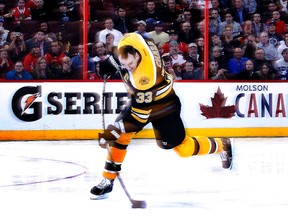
135 203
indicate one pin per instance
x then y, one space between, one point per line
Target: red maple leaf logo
218 109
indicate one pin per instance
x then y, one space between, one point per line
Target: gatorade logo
25 105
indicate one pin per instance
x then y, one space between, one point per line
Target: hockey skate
226 154
101 190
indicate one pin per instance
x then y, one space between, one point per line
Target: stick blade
139 204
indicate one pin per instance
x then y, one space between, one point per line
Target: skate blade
99 197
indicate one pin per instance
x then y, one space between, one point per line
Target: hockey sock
198 145
116 155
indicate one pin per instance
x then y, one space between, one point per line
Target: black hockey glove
109 66
108 136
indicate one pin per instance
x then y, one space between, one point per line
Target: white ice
40 178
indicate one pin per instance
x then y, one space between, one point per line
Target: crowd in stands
247 39
41 39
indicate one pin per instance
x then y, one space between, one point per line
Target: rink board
72 110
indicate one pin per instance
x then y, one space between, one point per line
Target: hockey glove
109 66
108 136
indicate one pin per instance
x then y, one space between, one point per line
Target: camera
17 34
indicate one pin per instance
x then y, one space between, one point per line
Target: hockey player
152 100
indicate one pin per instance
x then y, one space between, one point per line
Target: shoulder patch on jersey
144 80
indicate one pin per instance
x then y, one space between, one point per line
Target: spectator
21 12
54 56
214 22
177 68
257 25
193 55
274 37
122 23
109 44
67 72
282 45
239 12
247 29
65 14
173 36
31 4
3 33
283 8
3 10
141 29
191 72
229 43
236 27
18 73
16 46
5 62
158 35
280 25
42 70
248 73
40 39
188 17
251 6
171 13
259 58
100 52
64 43
250 46
200 44
150 14
96 75
186 34
216 55
237 63
175 55
201 28
270 51
197 14
49 35
267 72
281 65
77 61
267 11
109 24
30 60
39 12
167 63
215 73
216 5
215 40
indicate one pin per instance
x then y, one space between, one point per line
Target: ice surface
54 178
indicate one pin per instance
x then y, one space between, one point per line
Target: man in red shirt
55 56
30 60
280 24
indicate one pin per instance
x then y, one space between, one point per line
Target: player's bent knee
186 148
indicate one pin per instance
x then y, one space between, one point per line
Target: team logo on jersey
144 80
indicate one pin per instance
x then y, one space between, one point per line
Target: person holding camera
16 46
